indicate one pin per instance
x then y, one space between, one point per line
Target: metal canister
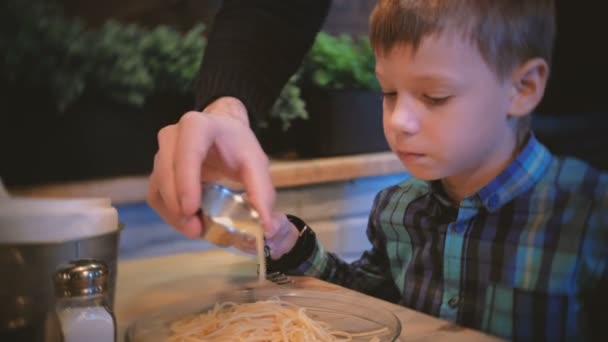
81 310
229 218
37 235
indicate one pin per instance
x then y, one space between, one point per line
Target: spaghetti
264 321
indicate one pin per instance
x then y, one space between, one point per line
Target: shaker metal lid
81 278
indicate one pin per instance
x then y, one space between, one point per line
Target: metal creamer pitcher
228 218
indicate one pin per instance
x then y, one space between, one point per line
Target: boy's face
444 109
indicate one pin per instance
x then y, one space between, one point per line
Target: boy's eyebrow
436 78
431 78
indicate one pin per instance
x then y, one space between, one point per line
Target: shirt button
454 302
457 229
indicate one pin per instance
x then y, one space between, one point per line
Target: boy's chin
424 175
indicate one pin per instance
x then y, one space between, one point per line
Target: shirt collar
519 176
523 172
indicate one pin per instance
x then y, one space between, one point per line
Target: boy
492 231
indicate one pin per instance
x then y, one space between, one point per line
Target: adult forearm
254 47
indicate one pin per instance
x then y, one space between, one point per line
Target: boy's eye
436 101
389 94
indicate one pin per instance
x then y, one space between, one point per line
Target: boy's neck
467 183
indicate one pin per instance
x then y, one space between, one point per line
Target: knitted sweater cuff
213 84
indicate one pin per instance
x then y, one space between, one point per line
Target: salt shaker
81 311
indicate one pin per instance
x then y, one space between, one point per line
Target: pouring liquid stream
247 229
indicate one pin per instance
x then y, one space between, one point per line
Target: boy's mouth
410 156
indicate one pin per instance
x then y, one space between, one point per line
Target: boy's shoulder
581 193
576 187
577 178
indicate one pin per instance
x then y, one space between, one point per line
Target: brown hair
506 32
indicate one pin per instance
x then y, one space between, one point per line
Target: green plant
338 62
118 69
289 106
131 63
49 52
173 59
42 51
334 62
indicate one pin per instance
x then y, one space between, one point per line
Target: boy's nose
405 118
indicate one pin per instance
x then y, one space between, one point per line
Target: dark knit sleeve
254 47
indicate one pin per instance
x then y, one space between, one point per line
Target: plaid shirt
525 258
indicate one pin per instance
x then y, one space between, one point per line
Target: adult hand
206 146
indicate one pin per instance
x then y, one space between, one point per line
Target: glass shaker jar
81 310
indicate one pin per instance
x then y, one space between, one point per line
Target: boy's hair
506 32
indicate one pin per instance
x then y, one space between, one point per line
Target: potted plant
83 103
276 132
87 103
342 98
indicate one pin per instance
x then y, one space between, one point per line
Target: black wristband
301 251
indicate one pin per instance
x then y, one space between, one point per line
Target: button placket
457 228
454 302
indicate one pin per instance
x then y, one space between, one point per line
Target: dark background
571 120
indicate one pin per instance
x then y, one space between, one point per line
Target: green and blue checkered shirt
525 258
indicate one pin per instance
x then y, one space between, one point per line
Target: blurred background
86 85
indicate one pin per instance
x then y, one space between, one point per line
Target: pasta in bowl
269 314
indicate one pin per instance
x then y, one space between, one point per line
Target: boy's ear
529 82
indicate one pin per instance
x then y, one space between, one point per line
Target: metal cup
36 236
228 218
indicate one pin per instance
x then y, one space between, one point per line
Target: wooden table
146 285
284 173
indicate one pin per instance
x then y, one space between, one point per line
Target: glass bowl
341 312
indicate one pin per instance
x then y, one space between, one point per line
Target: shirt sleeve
370 274
254 47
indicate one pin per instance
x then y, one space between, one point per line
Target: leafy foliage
338 62
289 106
45 50
125 63
42 51
131 63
